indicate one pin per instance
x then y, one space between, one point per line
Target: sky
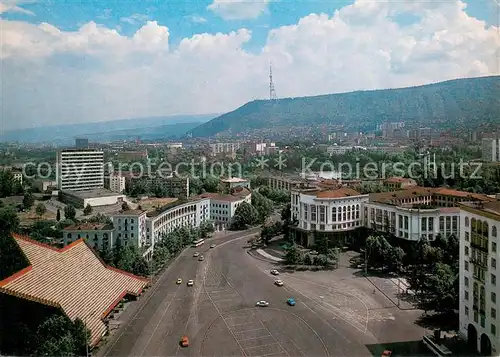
66 61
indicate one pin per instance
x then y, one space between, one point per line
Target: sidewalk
269 256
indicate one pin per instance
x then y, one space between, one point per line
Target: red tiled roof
339 193
73 279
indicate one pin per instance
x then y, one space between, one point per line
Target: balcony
477 261
479 246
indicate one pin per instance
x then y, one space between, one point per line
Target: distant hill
462 102
110 130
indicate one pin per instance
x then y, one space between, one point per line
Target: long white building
79 169
479 274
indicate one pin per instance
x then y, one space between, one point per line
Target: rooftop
338 193
129 212
72 279
96 192
417 191
234 180
89 227
491 208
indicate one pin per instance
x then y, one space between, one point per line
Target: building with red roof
72 279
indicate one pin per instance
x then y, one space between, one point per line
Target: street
219 315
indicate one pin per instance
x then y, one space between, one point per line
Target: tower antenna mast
272 91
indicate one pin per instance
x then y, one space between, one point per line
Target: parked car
262 303
196 254
278 282
190 283
212 246
179 281
201 258
291 302
275 272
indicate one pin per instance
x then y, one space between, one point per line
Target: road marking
269 344
158 324
255 338
330 288
255 329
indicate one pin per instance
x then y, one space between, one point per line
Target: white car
201 258
279 282
275 272
212 246
190 283
196 254
262 303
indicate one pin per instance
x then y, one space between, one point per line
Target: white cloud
239 9
135 19
96 73
12 6
197 19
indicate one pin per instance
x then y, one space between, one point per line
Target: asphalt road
219 315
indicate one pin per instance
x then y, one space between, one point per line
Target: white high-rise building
480 276
491 149
79 170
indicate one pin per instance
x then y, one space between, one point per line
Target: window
466 250
493 263
467 221
493 279
466 236
493 313
466 311
482 321
493 297
493 329
493 247
321 227
466 266
466 295
494 231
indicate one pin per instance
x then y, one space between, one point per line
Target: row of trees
247 215
431 268
325 254
277 196
9 186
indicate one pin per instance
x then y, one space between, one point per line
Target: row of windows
481 227
493 327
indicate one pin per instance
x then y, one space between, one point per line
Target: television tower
272 91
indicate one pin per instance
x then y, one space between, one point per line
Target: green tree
263 205
308 260
58 215
28 200
206 228
439 292
292 255
125 206
69 212
55 337
40 209
87 210
9 221
244 216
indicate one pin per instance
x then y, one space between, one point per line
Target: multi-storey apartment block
80 169
327 211
479 276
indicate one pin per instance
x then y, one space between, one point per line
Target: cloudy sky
66 61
